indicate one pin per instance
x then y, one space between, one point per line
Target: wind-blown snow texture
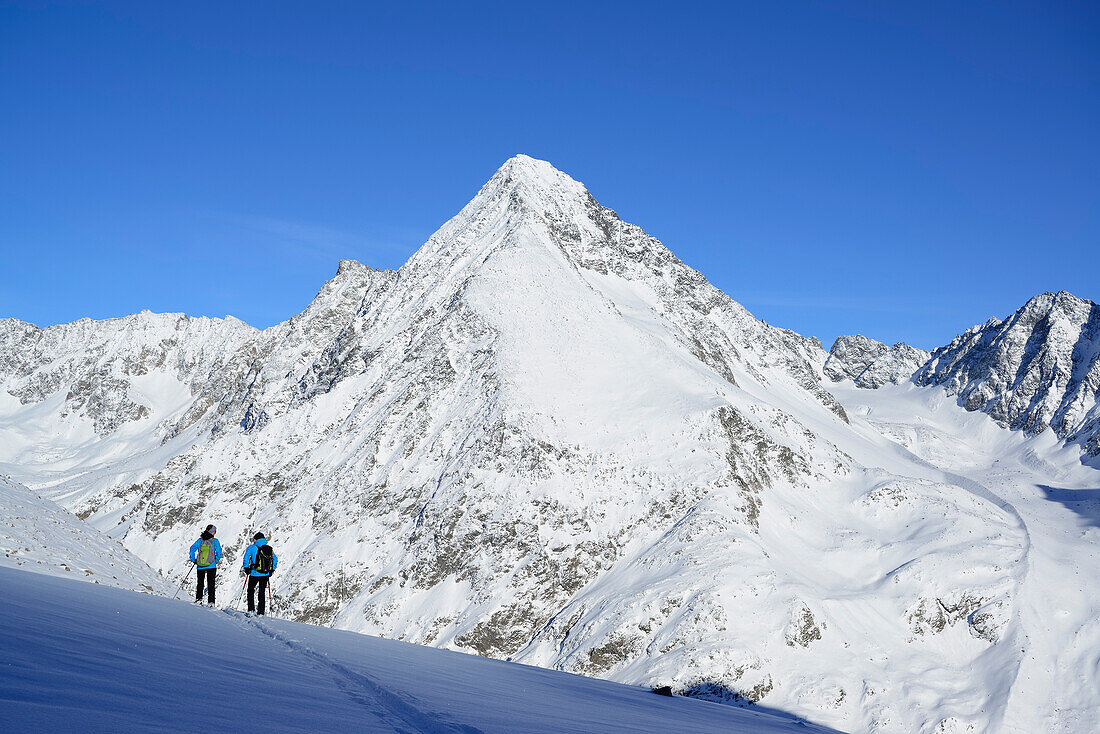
545 438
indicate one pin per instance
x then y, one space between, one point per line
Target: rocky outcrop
871 363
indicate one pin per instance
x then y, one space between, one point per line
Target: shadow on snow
719 693
1084 502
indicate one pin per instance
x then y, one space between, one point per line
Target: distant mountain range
1037 369
544 438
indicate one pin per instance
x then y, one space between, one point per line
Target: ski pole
240 594
270 597
183 580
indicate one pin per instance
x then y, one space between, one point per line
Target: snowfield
545 439
1049 681
78 657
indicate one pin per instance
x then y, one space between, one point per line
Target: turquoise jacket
250 558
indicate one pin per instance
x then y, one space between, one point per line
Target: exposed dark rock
872 364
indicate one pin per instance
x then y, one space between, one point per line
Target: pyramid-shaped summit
541 262
529 199
529 180
539 382
514 207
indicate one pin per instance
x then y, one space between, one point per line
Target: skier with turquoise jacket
259 563
205 554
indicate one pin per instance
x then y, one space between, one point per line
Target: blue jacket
250 558
217 552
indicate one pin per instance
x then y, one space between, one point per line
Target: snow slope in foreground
86 657
41 536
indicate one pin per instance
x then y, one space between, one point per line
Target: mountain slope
1050 678
546 438
37 535
115 661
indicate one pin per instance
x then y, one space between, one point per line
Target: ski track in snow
390 708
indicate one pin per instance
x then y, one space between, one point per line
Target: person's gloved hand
244 572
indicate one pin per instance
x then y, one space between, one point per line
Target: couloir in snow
545 438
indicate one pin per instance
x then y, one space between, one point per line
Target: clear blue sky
902 170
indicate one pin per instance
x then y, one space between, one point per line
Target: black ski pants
253 582
207 580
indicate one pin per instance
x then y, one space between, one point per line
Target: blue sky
898 170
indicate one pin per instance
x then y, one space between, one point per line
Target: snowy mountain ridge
872 364
545 438
1037 369
97 377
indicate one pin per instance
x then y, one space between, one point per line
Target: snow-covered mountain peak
1039 367
351 266
345 291
523 194
1060 301
525 184
534 173
540 263
352 273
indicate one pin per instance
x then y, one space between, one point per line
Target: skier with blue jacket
259 563
205 554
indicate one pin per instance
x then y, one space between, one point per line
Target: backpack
263 563
206 555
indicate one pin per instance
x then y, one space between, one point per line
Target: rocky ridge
104 367
1038 368
872 364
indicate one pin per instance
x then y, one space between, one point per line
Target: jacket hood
261 541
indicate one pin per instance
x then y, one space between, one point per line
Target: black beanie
259 536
